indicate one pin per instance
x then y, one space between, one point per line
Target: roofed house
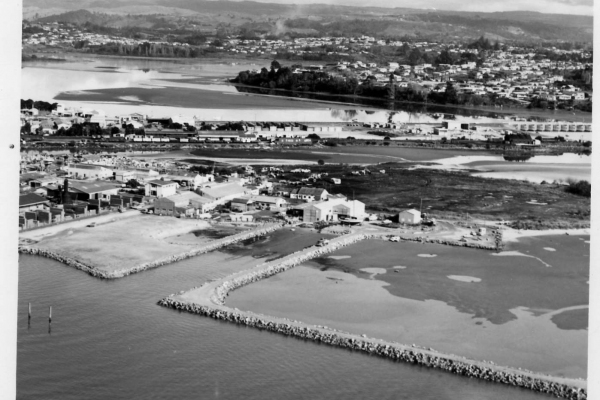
175 204
411 216
93 190
331 210
269 201
241 204
88 171
32 201
223 192
309 194
191 181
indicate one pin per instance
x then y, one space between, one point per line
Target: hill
319 19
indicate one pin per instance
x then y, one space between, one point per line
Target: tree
445 57
415 56
313 136
451 95
26 129
581 188
321 162
114 130
132 183
275 65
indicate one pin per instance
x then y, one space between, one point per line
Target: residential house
331 210
309 194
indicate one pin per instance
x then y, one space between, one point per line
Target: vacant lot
125 243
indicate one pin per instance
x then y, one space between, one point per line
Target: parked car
395 239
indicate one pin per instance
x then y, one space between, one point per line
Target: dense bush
581 188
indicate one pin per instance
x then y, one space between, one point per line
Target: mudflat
504 298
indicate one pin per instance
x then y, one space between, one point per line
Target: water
359 290
161 88
109 339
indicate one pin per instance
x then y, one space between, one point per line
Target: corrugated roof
30 199
92 186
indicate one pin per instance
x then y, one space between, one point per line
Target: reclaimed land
209 300
121 248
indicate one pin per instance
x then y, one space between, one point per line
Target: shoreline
209 300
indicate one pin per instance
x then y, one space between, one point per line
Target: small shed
411 216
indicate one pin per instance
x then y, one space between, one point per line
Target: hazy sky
583 7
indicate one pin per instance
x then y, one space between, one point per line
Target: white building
159 188
88 171
409 217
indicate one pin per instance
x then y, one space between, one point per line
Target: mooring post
50 315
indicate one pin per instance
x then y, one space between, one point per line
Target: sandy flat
374 271
513 235
339 257
463 278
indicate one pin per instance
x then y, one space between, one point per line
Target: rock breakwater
389 351
105 274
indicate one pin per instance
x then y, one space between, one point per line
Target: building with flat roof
160 188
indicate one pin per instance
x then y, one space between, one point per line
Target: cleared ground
125 243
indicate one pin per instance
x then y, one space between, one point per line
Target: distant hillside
319 19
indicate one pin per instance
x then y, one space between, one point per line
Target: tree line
281 77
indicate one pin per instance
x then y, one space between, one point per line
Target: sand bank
513 235
462 278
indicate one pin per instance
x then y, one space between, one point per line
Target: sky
581 7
